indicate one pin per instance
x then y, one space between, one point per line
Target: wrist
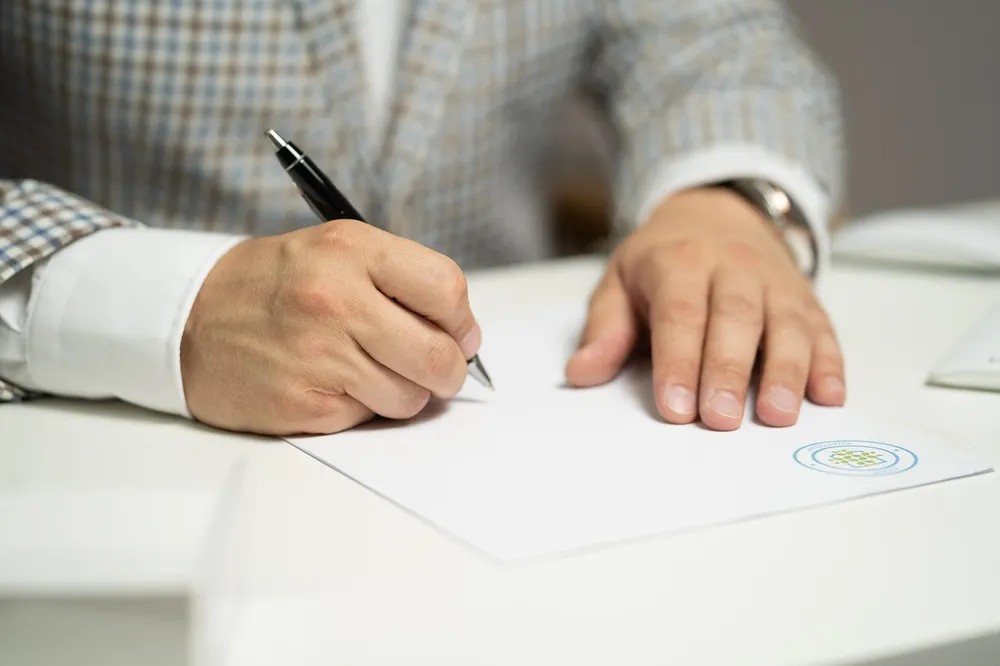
713 207
720 214
221 281
713 166
216 279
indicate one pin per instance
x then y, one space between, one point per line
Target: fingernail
470 343
725 403
782 399
679 399
832 385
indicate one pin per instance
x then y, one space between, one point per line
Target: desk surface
328 570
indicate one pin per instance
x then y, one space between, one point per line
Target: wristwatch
778 207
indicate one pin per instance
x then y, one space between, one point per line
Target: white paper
535 468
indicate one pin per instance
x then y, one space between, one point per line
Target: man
151 249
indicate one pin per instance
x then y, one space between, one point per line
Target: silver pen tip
478 372
276 139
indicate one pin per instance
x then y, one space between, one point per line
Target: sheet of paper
536 468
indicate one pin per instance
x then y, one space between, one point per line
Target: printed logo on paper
855 458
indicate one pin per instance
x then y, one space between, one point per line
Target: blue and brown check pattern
153 112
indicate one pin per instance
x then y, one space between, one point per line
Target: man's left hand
711 280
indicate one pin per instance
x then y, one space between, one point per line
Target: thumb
609 335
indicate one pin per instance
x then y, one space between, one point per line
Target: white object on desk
955 236
111 542
103 543
975 361
536 469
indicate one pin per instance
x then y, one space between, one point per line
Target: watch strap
777 206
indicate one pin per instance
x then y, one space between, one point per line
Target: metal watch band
777 206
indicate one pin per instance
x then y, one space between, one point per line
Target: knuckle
829 362
412 400
339 234
347 308
682 370
649 268
790 318
320 404
788 370
440 358
683 312
687 250
744 253
311 296
293 247
318 298
729 372
450 283
737 306
300 403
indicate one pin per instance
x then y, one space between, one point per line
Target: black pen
329 203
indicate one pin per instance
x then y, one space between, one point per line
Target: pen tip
478 372
275 139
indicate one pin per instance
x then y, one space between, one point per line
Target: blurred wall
921 84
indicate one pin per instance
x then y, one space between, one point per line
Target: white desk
327 572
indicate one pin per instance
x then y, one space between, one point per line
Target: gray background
921 84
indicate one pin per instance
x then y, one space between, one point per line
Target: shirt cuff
728 162
107 314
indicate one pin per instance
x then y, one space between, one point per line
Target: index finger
428 284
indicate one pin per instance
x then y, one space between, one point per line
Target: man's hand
714 283
299 333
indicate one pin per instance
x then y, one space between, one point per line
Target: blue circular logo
855 458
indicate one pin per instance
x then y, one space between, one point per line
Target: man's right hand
299 333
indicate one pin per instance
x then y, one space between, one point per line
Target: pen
329 203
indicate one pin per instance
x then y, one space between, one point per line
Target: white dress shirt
54 339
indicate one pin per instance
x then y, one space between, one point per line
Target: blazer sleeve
686 78
36 220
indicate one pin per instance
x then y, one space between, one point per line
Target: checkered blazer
152 112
